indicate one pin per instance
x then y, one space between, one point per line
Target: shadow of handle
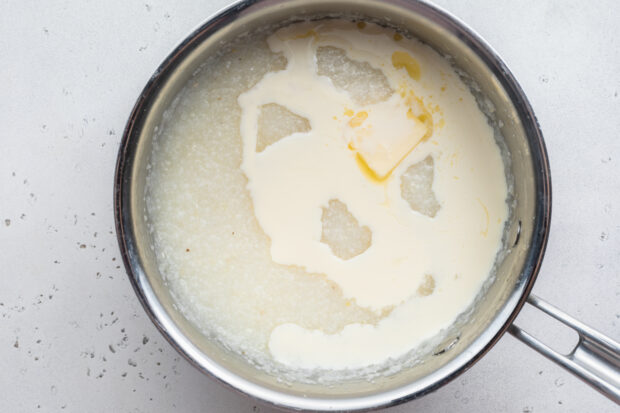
595 359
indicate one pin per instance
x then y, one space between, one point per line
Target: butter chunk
384 138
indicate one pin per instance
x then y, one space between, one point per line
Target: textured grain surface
342 232
276 122
365 84
417 187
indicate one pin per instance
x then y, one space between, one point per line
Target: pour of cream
357 153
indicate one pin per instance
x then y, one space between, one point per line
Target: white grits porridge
328 196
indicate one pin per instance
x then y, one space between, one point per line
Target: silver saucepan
595 358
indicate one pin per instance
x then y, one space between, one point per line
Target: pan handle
595 359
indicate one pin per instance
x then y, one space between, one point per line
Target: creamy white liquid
352 150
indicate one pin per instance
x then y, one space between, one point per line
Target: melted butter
422 112
405 60
359 160
358 119
309 33
485 231
386 133
367 171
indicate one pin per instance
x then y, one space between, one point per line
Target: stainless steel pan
595 359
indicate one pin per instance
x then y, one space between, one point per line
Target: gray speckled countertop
74 336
